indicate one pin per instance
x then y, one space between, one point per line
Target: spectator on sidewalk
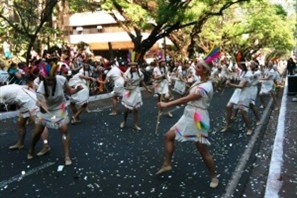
291 66
3 74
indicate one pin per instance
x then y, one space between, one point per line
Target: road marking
239 170
21 176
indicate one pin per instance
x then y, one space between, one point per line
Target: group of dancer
46 101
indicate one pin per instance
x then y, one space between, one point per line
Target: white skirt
132 99
54 120
81 97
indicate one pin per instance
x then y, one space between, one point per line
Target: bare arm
241 85
183 100
87 78
69 90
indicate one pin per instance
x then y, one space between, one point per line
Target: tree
28 19
250 28
162 17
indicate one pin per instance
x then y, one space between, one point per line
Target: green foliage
83 5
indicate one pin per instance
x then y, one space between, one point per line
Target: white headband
205 65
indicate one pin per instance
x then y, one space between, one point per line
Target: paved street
114 162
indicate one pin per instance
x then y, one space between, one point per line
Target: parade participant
180 79
25 99
79 101
242 99
132 99
267 85
195 122
161 83
116 75
52 103
254 90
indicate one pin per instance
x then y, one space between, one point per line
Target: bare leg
80 110
168 150
66 143
256 113
228 117
46 148
275 101
126 113
234 114
35 137
261 96
114 105
22 122
246 121
73 108
209 162
135 115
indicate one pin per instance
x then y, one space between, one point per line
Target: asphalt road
113 162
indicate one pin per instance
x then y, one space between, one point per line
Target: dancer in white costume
52 102
241 97
25 99
132 99
267 85
116 75
194 123
79 101
161 82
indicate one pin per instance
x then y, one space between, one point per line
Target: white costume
195 122
115 74
81 97
132 98
267 85
55 102
180 85
161 86
22 96
245 94
254 86
237 92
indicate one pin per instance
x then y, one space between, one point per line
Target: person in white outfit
79 101
132 99
267 85
52 102
25 98
194 124
161 82
242 98
116 75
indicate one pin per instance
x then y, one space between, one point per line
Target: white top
115 74
54 100
20 95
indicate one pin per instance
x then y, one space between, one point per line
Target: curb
273 184
239 170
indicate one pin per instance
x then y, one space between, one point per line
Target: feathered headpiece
48 69
212 55
134 58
